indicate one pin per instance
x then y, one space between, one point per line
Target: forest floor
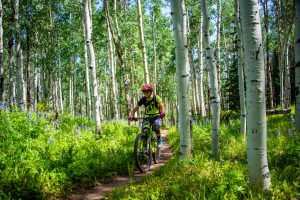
119 181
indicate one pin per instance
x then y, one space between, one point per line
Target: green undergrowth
227 177
45 157
42 157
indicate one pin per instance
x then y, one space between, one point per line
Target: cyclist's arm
136 108
161 107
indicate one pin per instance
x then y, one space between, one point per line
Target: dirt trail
100 191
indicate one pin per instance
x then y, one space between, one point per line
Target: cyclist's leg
156 128
144 138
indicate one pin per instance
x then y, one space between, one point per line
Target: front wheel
156 150
142 152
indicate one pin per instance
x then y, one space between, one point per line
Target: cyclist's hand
162 115
130 118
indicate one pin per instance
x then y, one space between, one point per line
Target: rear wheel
142 152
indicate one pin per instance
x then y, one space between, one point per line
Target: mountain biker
153 105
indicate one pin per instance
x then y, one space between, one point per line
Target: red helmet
147 87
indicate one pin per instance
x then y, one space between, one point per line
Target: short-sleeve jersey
152 106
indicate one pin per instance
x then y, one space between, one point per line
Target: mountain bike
146 147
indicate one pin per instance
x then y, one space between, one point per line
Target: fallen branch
275 112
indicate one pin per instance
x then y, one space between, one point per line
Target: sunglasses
146 92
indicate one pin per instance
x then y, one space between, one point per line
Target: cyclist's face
146 94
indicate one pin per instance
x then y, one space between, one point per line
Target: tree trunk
28 71
12 93
55 92
36 87
119 48
287 85
87 74
201 73
60 92
214 87
141 31
219 17
1 56
21 97
71 107
241 70
192 71
192 68
182 73
259 175
268 64
297 66
88 25
113 73
283 45
154 79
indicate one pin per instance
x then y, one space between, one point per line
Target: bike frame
148 137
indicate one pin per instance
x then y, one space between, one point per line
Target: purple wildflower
51 140
29 115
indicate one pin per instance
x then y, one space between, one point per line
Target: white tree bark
192 69
12 93
259 175
36 87
201 74
287 83
37 77
113 73
71 96
297 65
92 59
56 92
1 56
240 69
60 92
283 45
21 92
219 15
178 13
141 31
214 87
154 80
87 74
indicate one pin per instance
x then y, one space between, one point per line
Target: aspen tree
12 93
87 73
143 46
201 74
1 56
112 65
240 69
297 65
258 170
21 95
219 17
88 29
214 87
178 13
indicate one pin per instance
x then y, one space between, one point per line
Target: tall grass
42 158
227 177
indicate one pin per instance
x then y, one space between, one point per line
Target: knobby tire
143 159
156 152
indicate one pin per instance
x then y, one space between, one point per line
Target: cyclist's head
147 90
147 87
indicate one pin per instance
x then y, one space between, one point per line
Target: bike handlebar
150 117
